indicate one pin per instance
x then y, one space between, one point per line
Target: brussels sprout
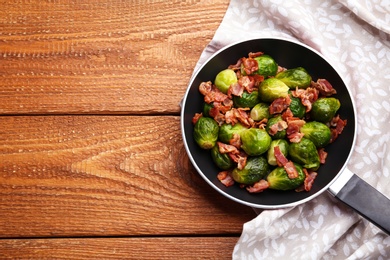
283 146
226 131
297 108
247 99
260 111
274 120
206 108
206 132
279 180
304 153
255 169
271 89
224 79
255 141
297 77
222 160
317 132
324 109
267 65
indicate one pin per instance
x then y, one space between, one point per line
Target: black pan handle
362 197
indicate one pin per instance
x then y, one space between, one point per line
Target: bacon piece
248 83
279 126
292 172
196 117
240 159
281 160
205 87
294 125
308 96
279 105
237 66
235 89
324 87
236 140
239 115
287 114
258 186
250 65
225 178
309 180
322 154
336 127
227 148
258 79
262 124
255 54
211 93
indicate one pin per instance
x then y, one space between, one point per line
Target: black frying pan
333 176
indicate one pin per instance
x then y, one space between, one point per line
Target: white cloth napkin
354 37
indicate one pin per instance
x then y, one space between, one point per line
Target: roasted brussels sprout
247 99
271 89
304 153
267 65
275 120
206 108
324 109
297 77
279 180
297 108
255 169
260 111
206 132
222 160
224 79
226 131
283 146
317 132
255 141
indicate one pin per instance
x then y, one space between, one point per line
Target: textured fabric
354 37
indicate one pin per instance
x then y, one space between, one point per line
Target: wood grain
105 176
120 248
62 57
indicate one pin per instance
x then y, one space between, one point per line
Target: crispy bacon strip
279 126
211 93
225 178
322 154
309 180
255 54
289 166
324 87
279 105
336 127
294 125
240 159
258 186
196 117
281 160
250 65
239 115
227 148
308 96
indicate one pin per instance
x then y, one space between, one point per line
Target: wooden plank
120 248
105 175
101 57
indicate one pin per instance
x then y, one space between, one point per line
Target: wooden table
92 163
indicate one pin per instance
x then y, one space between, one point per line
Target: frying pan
333 176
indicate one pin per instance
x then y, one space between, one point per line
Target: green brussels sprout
226 131
271 89
274 120
317 132
324 109
255 169
297 77
278 179
267 65
255 141
260 111
304 153
224 79
247 99
206 108
283 146
206 132
222 160
297 108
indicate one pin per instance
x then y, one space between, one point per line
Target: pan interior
289 55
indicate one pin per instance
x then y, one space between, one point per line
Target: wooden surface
92 163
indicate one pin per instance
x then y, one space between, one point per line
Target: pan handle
363 198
